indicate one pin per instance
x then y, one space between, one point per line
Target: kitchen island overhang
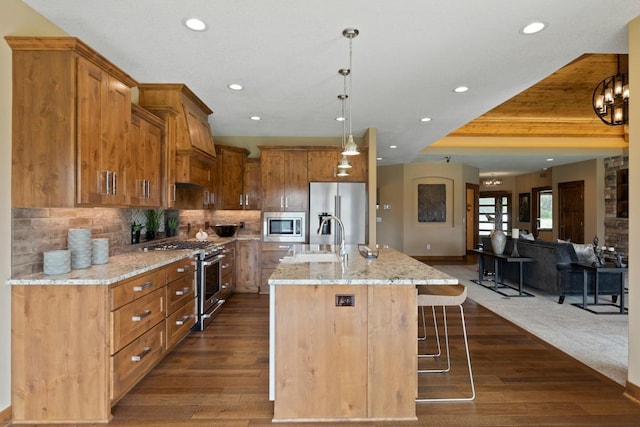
343 335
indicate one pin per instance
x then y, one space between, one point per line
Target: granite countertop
122 266
390 268
118 268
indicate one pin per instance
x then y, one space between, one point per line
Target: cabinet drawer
135 360
136 318
180 322
227 286
271 246
271 259
180 291
130 290
180 268
227 265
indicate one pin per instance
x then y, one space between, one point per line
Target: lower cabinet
228 266
248 266
271 256
77 349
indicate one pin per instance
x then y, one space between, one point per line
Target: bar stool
446 296
424 333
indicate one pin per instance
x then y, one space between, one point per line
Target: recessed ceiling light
534 27
461 89
256 118
235 86
195 24
393 146
549 160
340 119
425 119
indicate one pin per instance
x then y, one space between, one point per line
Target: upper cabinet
251 183
285 185
231 173
145 158
323 162
71 124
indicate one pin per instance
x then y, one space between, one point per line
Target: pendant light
350 149
610 98
343 165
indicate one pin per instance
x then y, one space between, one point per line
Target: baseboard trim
632 392
5 415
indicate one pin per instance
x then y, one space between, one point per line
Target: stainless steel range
208 276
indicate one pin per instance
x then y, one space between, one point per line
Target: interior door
571 211
472 216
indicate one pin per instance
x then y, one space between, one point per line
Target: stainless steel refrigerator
347 201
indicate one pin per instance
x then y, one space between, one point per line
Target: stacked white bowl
99 251
57 262
79 243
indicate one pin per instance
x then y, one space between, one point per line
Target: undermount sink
312 257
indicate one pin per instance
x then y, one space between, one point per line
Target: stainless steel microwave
284 227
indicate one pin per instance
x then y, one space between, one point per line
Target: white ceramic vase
498 241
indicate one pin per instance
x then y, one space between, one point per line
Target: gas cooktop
208 247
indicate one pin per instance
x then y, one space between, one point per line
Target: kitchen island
343 334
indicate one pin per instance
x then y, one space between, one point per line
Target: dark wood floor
219 377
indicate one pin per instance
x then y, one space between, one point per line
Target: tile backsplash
36 230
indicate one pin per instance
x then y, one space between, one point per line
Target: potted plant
172 226
153 222
135 232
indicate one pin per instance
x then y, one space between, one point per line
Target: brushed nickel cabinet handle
183 291
141 316
183 269
138 357
180 322
141 288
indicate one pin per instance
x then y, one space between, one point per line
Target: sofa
554 270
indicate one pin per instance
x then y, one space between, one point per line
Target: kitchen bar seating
424 332
446 296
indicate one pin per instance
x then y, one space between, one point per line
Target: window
545 210
494 211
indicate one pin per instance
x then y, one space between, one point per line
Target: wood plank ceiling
557 106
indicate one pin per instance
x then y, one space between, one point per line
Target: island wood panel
393 349
60 355
321 353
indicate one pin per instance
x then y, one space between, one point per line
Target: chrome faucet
343 251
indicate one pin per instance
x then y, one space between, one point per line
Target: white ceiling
409 56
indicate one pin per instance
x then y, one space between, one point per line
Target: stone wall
616 228
36 230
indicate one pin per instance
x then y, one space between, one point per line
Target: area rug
598 341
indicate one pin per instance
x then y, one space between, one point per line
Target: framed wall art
524 207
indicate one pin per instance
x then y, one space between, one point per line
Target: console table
500 260
606 268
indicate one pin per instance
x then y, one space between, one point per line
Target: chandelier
491 182
611 99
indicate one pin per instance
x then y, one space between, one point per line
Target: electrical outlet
428 247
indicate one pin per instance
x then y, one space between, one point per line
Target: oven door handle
208 315
214 261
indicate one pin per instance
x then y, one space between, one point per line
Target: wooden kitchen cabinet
190 153
323 162
71 123
145 158
228 267
231 173
248 269
252 184
285 185
181 299
270 256
77 349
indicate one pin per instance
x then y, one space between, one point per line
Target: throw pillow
527 236
585 253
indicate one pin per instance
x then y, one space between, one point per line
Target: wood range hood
191 154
